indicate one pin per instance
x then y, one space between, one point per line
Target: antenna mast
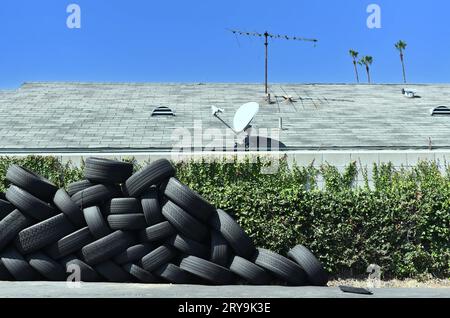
266 36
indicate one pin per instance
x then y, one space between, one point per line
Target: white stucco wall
340 159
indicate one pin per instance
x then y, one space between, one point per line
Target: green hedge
400 222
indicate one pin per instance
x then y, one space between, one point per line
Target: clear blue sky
187 41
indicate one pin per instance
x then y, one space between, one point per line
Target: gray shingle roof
87 116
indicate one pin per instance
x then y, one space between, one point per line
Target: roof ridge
50 83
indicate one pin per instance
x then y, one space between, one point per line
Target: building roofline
224 83
4 151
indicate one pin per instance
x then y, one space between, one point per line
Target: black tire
157 232
175 275
17 266
95 222
184 222
134 253
188 200
31 182
5 208
95 195
4 274
125 206
44 233
152 207
127 221
87 273
310 264
280 266
70 243
188 246
250 272
140 274
220 250
241 243
11 225
47 267
213 273
113 272
29 204
158 257
153 174
107 247
107 171
63 202
78 186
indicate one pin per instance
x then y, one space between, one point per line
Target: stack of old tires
121 227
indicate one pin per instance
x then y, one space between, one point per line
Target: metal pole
266 43
225 123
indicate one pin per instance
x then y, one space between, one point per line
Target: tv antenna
266 36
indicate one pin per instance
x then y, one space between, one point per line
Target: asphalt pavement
113 290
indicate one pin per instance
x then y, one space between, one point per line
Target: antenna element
266 36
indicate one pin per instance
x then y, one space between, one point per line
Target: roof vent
440 111
163 111
408 92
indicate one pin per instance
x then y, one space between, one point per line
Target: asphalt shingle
77 116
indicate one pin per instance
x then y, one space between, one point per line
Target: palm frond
401 45
366 60
354 54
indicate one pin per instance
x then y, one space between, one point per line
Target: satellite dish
244 116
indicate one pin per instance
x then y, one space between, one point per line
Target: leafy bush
400 222
50 167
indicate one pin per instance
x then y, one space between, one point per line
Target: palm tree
401 46
354 54
367 61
